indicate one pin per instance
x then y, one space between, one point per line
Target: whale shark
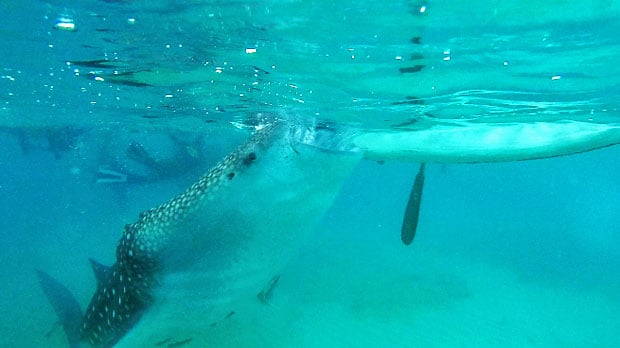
225 239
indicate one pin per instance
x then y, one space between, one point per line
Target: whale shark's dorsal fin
100 270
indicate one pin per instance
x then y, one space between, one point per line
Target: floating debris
411 69
213 324
95 63
162 342
265 295
65 23
179 343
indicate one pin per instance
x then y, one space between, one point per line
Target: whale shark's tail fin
65 305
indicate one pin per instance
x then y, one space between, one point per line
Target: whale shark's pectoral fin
412 211
267 292
65 305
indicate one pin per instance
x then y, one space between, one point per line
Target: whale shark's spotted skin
124 290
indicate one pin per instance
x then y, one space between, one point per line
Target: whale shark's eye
230 175
249 158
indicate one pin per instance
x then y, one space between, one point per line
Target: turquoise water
519 254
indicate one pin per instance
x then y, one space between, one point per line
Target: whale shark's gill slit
124 290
